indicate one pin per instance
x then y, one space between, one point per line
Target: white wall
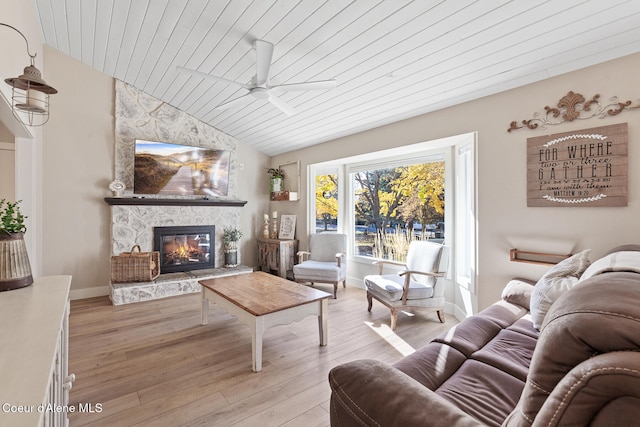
78 167
7 171
252 166
504 220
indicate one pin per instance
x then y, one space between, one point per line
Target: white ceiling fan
260 87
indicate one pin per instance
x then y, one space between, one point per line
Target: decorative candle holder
265 226
274 228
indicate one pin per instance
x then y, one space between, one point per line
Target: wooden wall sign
581 168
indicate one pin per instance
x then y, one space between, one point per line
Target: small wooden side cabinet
277 256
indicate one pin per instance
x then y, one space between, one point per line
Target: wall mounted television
180 170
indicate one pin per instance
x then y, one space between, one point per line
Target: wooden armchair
419 285
324 262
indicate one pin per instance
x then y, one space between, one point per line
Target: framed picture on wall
582 168
287 227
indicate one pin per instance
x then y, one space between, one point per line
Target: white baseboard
355 282
451 308
97 291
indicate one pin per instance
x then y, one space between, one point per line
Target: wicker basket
135 266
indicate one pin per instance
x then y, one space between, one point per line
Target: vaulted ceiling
392 59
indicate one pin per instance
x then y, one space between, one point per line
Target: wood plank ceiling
392 59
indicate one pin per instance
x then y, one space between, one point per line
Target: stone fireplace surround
140 116
134 224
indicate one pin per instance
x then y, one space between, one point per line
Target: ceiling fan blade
317 85
264 53
234 102
210 77
283 106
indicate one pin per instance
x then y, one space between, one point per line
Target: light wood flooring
153 364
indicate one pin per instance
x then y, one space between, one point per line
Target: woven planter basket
15 270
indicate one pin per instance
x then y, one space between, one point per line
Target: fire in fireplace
185 248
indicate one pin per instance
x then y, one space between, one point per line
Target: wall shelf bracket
544 258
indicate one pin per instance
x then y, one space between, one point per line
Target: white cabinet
34 347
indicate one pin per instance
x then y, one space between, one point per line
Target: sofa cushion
482 391
391 286
470 335
510 352
420 365
555 282
503 313
525 327
476 331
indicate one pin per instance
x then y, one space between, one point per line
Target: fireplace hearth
185 248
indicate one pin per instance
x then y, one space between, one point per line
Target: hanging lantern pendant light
30 93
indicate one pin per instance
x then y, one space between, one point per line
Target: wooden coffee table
261 300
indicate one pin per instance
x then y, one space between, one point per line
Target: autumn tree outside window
395 205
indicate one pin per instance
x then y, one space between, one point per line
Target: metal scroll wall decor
574 106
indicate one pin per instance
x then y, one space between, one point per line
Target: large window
394 205
383 200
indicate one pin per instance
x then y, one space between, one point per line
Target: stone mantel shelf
152 201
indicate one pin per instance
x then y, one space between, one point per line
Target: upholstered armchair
324 262
420 285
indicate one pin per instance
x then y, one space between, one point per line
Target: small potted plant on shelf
277 178
230 238
15 270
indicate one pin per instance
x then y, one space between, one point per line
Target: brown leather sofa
495 368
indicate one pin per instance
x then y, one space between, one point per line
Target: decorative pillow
617 261
625 248
518 292
558 280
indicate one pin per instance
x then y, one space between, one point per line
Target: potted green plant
277 179
230 238
15 270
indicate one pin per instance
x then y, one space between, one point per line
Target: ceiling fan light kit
259 87
260 93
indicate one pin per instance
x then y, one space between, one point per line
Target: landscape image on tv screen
180 170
